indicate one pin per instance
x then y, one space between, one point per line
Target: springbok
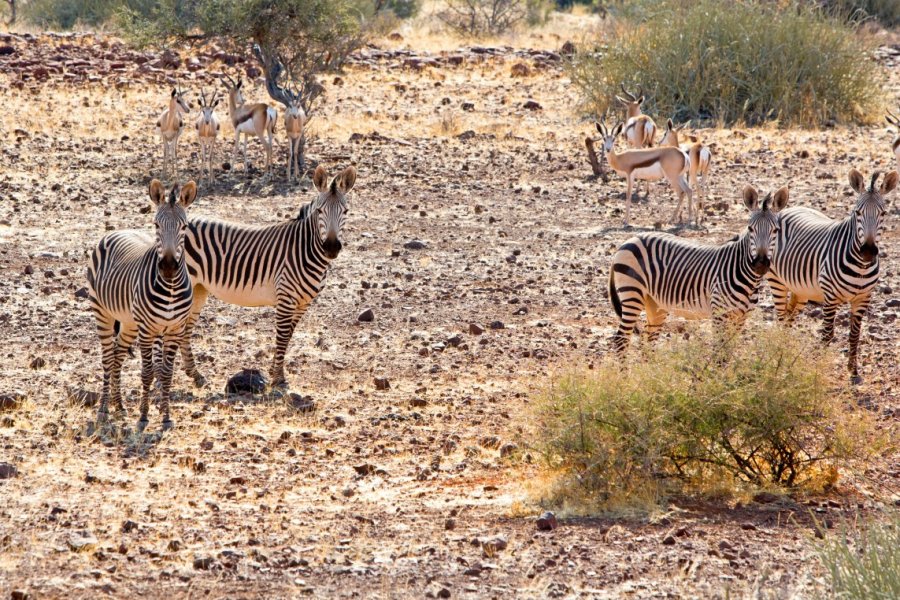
648 164
169 127
207 130
294 122
699 159
640 130
249 119
895 145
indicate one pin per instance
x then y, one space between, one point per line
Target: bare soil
378 493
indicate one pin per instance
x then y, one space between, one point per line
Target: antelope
169 126
249 119
294 122
699 159
640 130
207 130
648 164
895 145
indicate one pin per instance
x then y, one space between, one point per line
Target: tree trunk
596 165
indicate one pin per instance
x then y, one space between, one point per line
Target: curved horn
627 93
229 81
640 91
875 177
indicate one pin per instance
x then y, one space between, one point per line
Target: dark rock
508 449
82 292
204 563
382 383
450 524
893 303
11 401
366 316
247 381
476 329
19 595
547 522
567 49
418 402
520 70
80 397
466 135
38 363
6 50
415 245
748 526
364 469
496 325
492 545
29 270
765 497
300 403
467 106
83 539
669 540
454 340
532 105
8 471
129 526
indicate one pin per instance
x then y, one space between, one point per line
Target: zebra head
868 214
762 228
330 208
171 225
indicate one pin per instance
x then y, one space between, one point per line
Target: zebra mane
304 211
765 202
875 177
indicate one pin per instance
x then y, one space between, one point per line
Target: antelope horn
640 92
627 93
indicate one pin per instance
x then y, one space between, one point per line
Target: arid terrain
383 493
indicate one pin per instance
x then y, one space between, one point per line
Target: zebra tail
613 294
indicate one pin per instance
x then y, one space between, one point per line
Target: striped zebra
658 273
281 265
832 262
139 288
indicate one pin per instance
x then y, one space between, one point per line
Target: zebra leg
655 319
107 334
146 342
187 352
830 311
287 314
858 309
170 345
124 341
631 311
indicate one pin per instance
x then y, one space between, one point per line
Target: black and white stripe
832 262
658 273
281 265
140 289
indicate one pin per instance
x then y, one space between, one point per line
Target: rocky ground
481 244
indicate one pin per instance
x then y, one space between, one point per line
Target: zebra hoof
856 379
199 381
280 384
142 424
167 425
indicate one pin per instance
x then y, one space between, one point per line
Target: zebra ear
347 180
320 179
188 194
157 192
751 197
889 183
857 182
779 200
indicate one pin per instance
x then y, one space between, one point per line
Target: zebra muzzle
868 252
761 265
168 267
332 248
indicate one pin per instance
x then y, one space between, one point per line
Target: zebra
139 288
659 273
832 262
281 265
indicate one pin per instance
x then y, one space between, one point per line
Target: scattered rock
450 524
547 522
395 37
567 49
247 381
84 398
748 526
29 270
8 471
490 546
520 70
204 563
496 325
83 539
415 245
364 469
382 383
300 403
467 106
11 401
766 498
417 402
129 526
366 316
19 595
532 105
437 591
38 362
476 329
508 449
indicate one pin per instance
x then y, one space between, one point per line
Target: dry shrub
700 416
866 565
742 61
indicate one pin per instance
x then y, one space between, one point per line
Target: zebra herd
151 290
806 257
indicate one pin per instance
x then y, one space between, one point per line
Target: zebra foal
832 262
281 265
139 288
658 273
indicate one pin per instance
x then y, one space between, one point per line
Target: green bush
865 566
741 61
886 12
703 415
59 14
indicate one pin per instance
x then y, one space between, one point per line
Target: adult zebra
660 273
139 288
832 262
281 265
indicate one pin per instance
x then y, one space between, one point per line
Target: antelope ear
240 83
347 180
216 103
779 200
640 100
751 197
618 129
890 182
599 127
174 92
157 192
857 182
188 194
670 124
320 179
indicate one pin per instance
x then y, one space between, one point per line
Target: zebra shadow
133 440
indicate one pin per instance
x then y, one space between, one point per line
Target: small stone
174 545
304 404
418 402
494 544
29 270
496 325
454 341
84 398
415 245
748 526
765 497
547 522
508 449
364 469
11 401
82 292
382 383
468 106
520 70
81 540
532 105
669 540
348 492
450 524
893 303
247 381
19 595
476 329
204 563
366 316
8 471
38 363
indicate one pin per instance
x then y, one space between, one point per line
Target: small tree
12 12
293 40
484 17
